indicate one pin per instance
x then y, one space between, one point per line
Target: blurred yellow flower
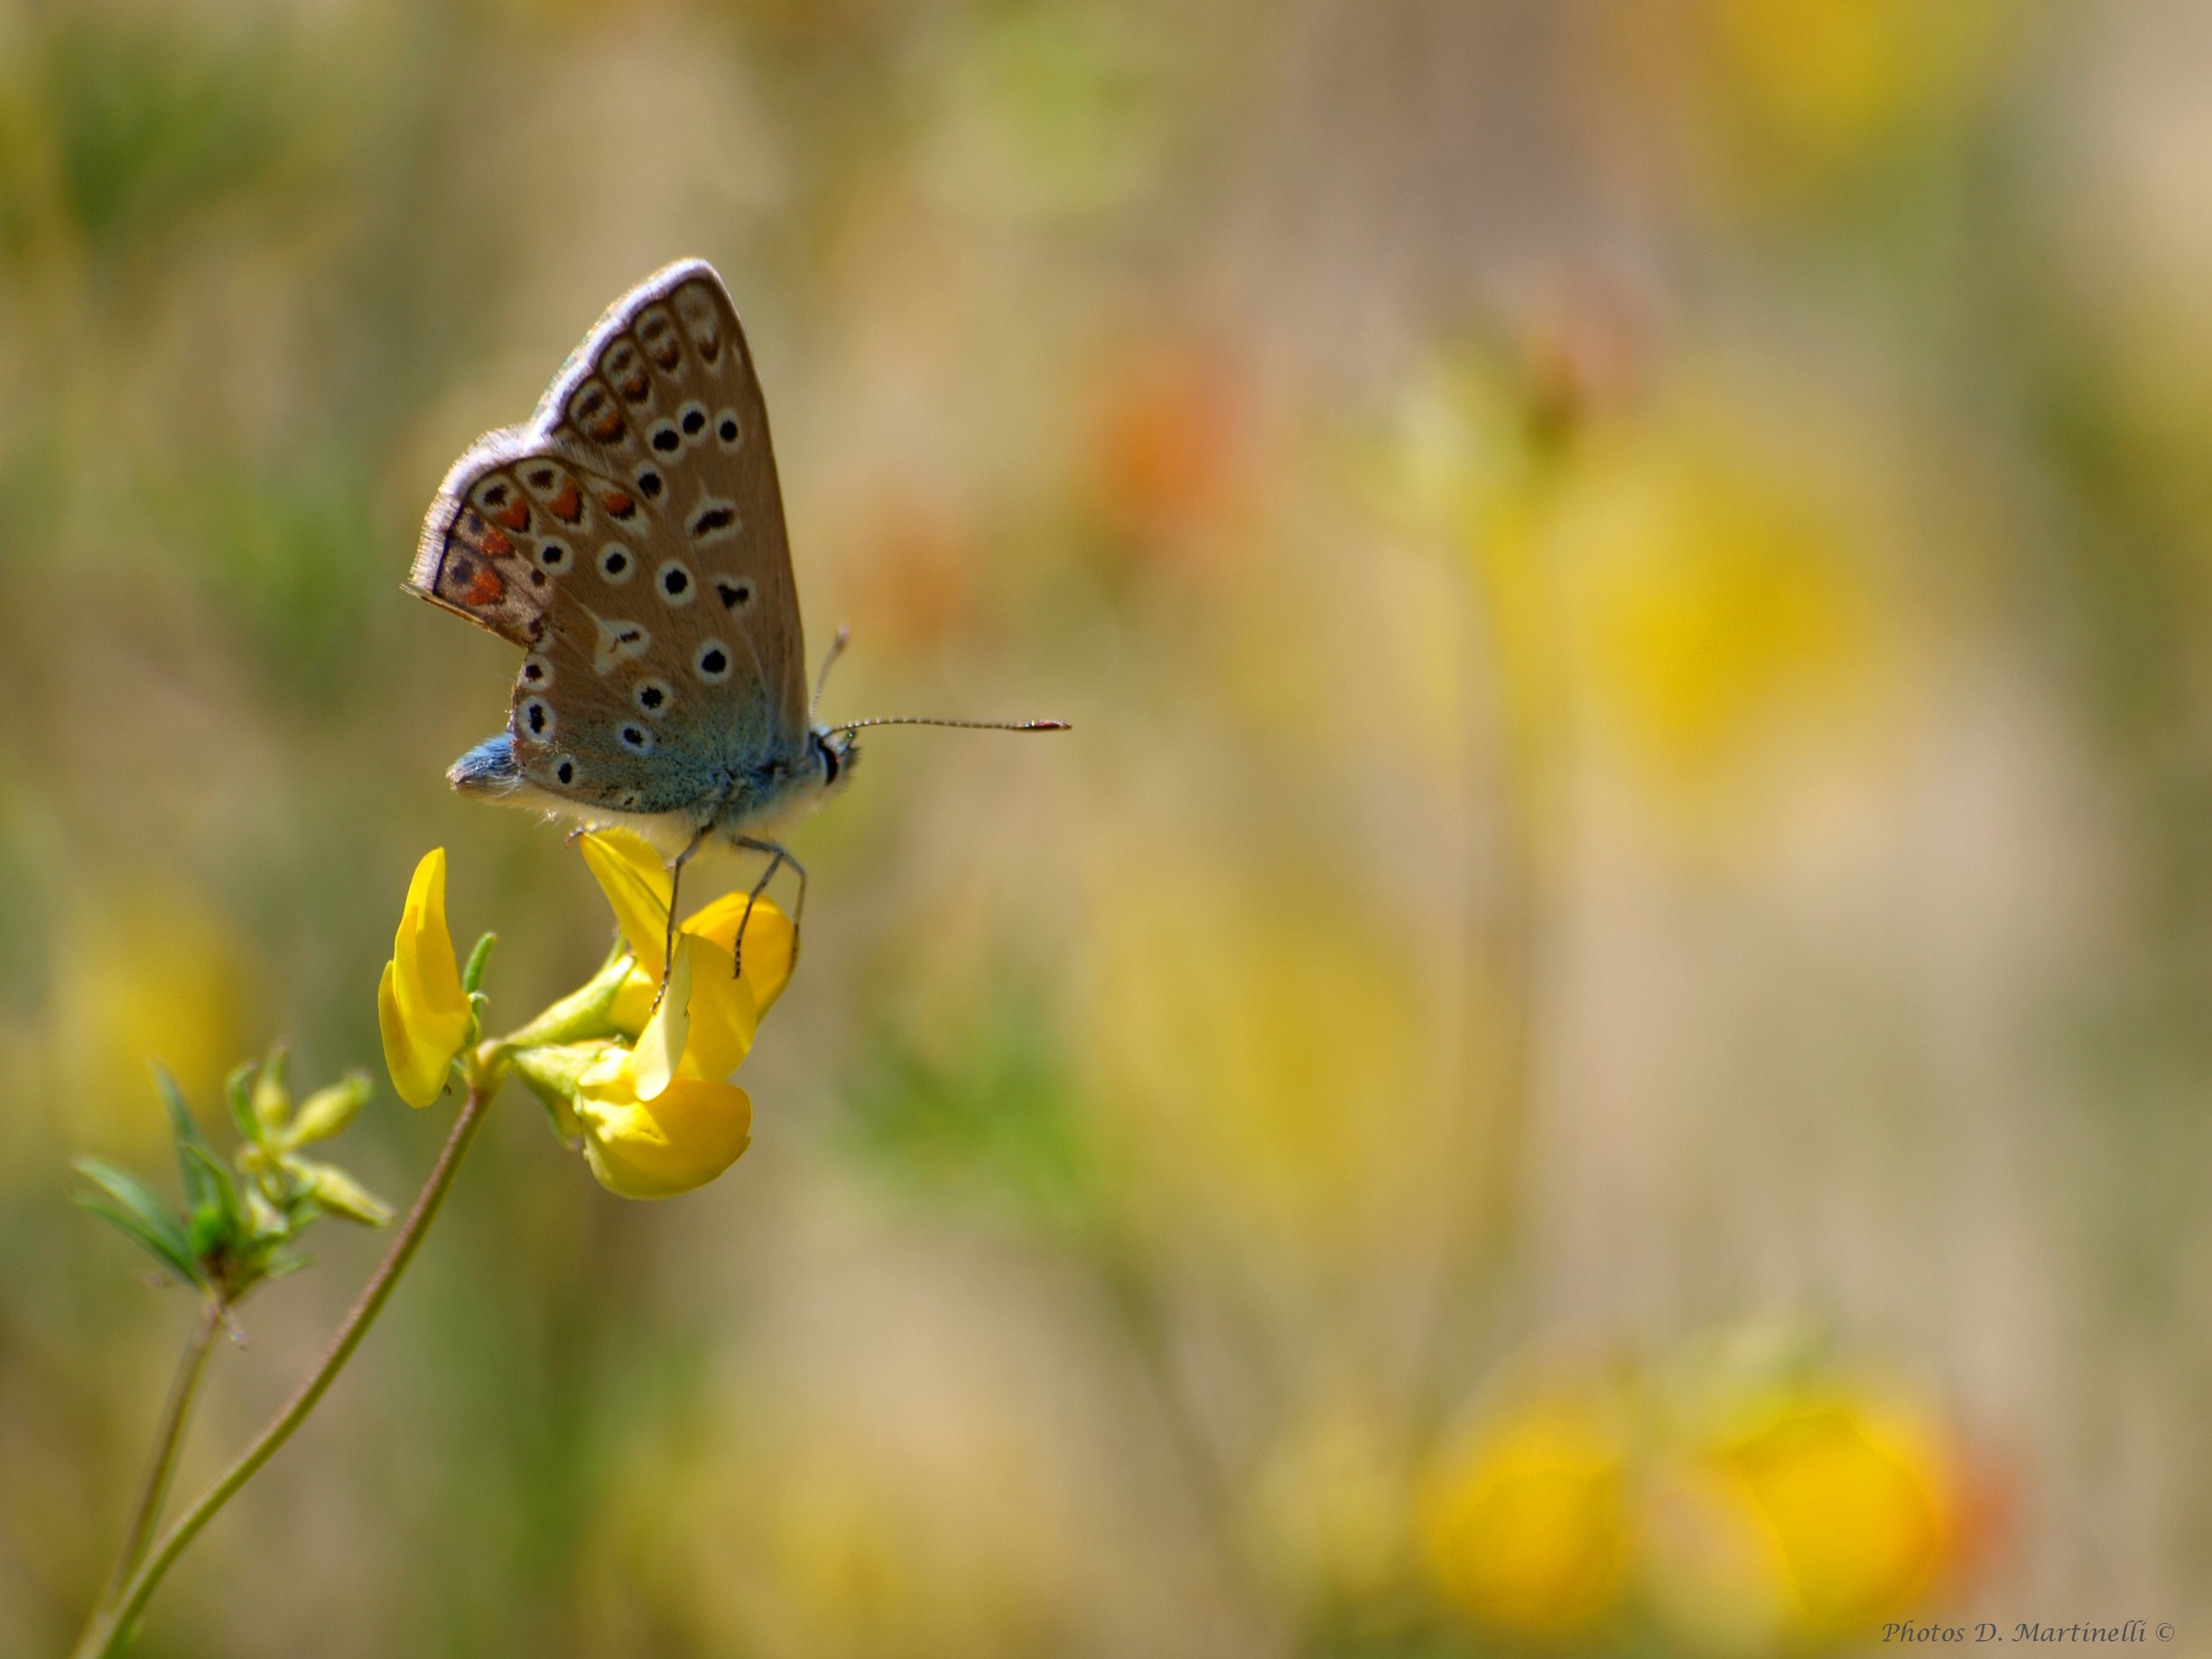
1720 596
659 1116
1813 1515
1328 1505
423 1013
145 973
1812 85
1527 1525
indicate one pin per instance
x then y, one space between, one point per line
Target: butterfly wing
630 538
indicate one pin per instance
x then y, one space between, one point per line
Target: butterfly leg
676 882
777 858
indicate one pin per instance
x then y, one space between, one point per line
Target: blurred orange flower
1169 440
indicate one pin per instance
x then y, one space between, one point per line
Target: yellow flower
1527 1525
637 887
1814 1514
683 1137
660 1116
424 1014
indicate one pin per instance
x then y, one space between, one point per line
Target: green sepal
472 975
580 1016
553 1071
125 1203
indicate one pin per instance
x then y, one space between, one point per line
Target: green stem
168 1442
107 1633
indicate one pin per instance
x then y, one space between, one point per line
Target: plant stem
168 1442
107 1632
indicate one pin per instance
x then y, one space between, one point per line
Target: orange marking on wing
515 515
618 503
568 506
494 545
605 429
488 589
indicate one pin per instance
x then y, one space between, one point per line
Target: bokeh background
1601 1038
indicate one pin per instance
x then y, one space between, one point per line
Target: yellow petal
769 943
629 873
660 1045
421 1011
418 1072
685 1138
424 941
633 1003
723 1015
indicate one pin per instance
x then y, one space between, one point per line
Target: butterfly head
834 753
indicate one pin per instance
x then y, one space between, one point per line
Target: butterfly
629 537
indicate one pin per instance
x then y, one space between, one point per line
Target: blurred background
1599 1041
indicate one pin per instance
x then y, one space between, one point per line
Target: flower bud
337 1193
330 1109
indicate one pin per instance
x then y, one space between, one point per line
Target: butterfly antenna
837 649
981 726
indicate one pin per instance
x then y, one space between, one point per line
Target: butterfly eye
553 555
653 698
615 563
726 428
675 583
711 662
637 739
537 718
536 670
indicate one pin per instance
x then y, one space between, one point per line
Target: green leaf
131 1227
195 1157
125 1201
238 1089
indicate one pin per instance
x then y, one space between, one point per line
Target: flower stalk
109 1630
168 1442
